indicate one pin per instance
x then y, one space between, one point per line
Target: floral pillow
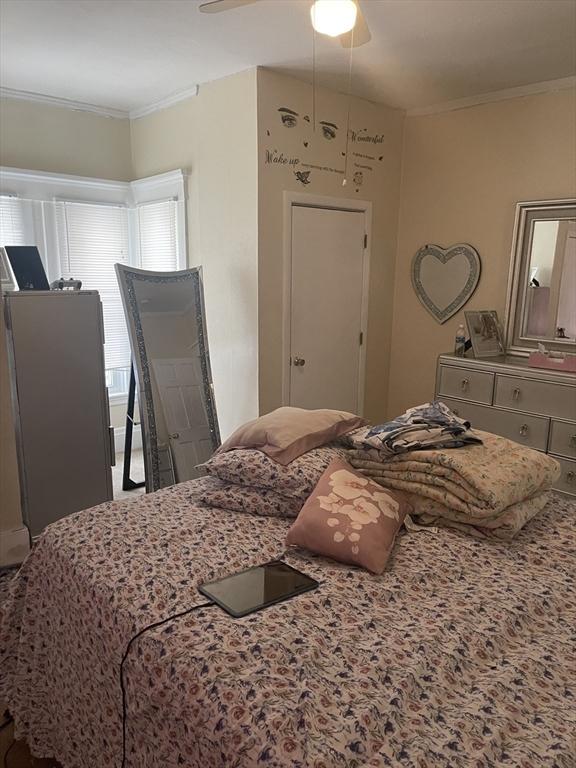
244 498
247 466
350 518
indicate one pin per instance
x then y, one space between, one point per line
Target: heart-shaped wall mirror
445 278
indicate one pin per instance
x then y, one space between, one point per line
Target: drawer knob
464 385
516 394
524 430
570 476
573 439
175 436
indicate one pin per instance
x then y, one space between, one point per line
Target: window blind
91 239
158 234
11 221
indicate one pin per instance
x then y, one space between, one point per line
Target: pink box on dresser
538 360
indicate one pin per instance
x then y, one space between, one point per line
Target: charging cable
129 646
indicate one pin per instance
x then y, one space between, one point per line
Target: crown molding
81 106
169 101
54 101
486 98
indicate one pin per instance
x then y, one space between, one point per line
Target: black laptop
27 267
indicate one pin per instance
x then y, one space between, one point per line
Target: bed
462 654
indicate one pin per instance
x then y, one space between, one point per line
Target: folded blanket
432 425
504 526
475 484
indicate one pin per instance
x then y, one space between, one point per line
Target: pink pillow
286 433
350 518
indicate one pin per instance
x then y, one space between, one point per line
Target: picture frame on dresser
485 333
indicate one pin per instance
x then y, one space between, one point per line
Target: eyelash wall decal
288 117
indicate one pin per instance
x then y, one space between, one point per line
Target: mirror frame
127 277
516 342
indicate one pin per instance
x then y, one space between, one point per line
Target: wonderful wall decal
297 134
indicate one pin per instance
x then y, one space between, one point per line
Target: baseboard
14 546
120 436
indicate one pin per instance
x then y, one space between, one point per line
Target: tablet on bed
258 587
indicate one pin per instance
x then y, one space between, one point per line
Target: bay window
82 227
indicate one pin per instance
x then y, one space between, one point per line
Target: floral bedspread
461 655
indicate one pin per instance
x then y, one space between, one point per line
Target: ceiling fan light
333 17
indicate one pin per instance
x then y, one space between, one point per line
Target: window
11 221
82 227
158 235
91 239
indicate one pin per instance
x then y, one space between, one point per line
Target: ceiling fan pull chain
345 181
313 79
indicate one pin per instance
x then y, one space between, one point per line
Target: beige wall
40 137
213 136
463 173
379 164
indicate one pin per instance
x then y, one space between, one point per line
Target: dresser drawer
563 439
531 431
467 384
543 397
567 480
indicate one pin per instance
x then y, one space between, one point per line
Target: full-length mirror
542 287
167 327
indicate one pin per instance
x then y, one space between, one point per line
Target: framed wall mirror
167 328
541 301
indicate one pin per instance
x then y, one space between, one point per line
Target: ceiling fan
336 18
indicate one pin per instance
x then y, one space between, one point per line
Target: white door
179 383
563 284
327 270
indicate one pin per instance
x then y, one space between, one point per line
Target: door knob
299 361
175 435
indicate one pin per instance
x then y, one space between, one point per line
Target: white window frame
38 191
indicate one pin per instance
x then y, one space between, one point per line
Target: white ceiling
127 54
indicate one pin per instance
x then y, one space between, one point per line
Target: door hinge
365 241
361 338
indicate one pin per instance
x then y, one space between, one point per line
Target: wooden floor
17 755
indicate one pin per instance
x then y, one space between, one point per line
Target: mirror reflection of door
550 310
562 317
179 387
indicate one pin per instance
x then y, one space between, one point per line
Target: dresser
532 406
60 402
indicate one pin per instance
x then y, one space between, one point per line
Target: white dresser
60 402
533 406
